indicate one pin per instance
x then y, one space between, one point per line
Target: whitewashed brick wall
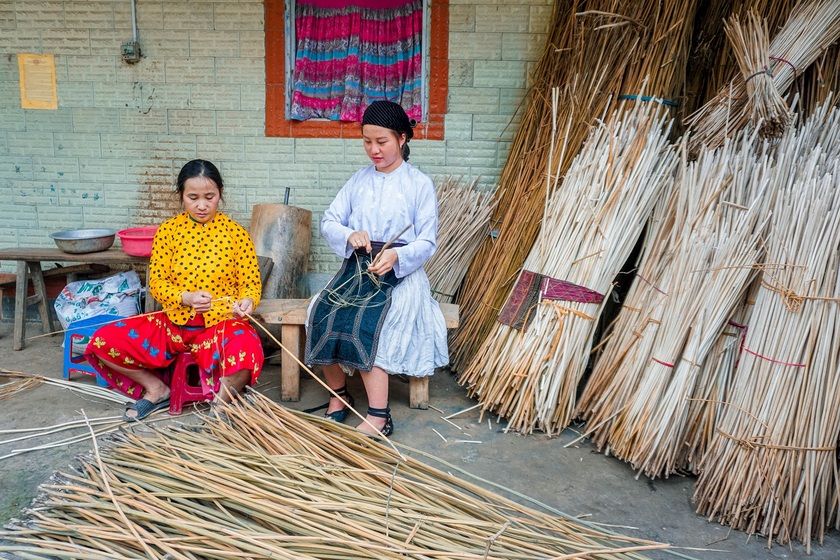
109 155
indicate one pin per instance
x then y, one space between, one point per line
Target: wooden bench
290 314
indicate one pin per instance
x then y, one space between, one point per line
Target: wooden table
29 261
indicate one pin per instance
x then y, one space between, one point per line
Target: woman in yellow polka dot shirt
204 272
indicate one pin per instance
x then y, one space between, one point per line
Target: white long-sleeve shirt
383 204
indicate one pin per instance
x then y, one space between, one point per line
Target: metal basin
84 240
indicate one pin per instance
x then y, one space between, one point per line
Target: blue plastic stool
78 334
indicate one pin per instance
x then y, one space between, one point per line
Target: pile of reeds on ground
265 482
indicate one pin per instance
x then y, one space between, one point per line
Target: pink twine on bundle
757 355
789 63
649 284
666 364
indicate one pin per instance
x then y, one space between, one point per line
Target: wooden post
283 233
289 369
418 392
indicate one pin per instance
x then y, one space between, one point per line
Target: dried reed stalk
698 262
17 385
772 464
821 82
82 388
266 482
709 400
591 224
464 214
811 28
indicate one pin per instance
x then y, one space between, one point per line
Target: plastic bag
117 295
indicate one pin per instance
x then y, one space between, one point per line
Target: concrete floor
575 480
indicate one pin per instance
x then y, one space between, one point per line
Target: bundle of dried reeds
702 246
266 482
712 65
810 29
464 213
590 226
772 464
589 46
765 106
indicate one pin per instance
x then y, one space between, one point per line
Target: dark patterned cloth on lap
346 321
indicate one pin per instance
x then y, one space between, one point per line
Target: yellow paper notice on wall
37 81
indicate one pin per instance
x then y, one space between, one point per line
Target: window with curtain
349 54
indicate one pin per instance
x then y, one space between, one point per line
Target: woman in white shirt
377 314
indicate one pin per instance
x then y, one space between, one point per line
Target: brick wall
109 155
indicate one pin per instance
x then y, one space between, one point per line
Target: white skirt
413 337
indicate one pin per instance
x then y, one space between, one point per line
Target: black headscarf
388 114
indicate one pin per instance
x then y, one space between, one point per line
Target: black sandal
385 413
338 415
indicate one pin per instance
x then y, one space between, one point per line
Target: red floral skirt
152 342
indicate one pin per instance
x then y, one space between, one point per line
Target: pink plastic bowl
137 242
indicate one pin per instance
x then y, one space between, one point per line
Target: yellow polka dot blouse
218 257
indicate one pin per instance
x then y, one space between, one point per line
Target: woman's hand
384 262
201 301
359 239
243 307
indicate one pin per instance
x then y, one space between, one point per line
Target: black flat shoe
385 413
338 415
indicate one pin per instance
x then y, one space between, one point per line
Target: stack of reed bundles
811 28
771 466
464 213
265 482
689 284
589 48
590 226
